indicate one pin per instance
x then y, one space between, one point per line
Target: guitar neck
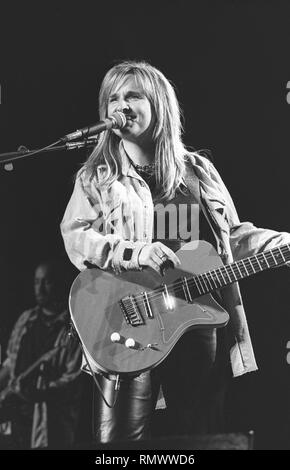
44 358
225 275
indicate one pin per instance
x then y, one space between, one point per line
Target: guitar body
118 347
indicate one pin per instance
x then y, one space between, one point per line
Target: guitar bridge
131 311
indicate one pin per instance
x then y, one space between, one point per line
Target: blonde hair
167 134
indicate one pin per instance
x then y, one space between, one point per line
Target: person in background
44 405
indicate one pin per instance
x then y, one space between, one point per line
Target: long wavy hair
170 151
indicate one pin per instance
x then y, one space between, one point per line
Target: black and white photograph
144 189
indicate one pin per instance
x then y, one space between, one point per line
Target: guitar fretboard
221 277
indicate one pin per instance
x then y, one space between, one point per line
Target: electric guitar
14 384
129 322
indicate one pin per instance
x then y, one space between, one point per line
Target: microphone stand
7 158
22 152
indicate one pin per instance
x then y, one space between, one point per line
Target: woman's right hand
159 257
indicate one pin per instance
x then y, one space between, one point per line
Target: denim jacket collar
127 169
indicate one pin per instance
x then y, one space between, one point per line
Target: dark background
230 63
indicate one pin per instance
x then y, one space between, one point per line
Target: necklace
149 168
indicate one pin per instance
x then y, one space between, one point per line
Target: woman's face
130 99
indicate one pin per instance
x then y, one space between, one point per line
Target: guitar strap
230 295
193 184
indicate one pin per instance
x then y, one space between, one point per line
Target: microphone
116 121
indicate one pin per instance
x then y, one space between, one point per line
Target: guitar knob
115 337
130 343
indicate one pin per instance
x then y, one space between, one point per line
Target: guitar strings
249 262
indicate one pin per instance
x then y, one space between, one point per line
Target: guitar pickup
147 305
186 291
131 311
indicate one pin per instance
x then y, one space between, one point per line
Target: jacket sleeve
87 240
69 363
14 341
246 239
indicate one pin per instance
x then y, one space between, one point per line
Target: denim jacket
102 226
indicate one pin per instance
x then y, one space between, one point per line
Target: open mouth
130 120
131 117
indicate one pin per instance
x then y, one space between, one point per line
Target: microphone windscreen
119 120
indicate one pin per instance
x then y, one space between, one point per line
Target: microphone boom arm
9 157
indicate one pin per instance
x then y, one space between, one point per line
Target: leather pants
194 380
129 418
